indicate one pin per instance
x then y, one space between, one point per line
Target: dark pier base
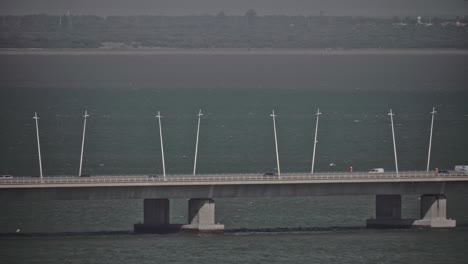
433 213
156 229
201 218
177 228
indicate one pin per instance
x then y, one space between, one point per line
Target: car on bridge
6 176
269 174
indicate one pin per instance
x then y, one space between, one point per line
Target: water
236 95
372 246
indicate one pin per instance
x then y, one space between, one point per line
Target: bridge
201 190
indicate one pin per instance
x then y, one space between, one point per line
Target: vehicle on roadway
6 176
377 170
269 174
461 169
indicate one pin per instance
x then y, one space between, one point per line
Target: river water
236 94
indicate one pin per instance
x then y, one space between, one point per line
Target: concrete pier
433 213
201 216
156 211
156 217
388 206
388 213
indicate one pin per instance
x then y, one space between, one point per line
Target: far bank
167 51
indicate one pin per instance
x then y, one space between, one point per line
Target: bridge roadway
223 185
202 189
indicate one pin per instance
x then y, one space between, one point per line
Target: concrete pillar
388 207
156 218
156 212
201 211
201 216
434 212
388 213
433 206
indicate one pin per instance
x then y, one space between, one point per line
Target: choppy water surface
372 246
236 95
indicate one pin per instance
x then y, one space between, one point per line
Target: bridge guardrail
227 177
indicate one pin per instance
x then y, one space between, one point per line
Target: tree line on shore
231 31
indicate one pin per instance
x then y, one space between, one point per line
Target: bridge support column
201 216
156 217
156 211
388 207
434 212
388 212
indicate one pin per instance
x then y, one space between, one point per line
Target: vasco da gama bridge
202 190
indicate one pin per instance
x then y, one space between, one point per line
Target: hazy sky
183 7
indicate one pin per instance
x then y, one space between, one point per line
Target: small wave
66 234
294 229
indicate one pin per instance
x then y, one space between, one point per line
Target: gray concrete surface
433 213
156 215
110 191
201 214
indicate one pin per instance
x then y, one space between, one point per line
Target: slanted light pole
430 138
82 142
276 143
196 144
391 114
38 144
315 140
162 147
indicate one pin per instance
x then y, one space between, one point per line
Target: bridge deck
227 179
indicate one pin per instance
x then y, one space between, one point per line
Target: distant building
400 24
456 24
420 23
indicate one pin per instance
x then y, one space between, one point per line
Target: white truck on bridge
461 169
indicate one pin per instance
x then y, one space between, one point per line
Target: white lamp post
430 139
196 144
38 145
82 142
276 143
391 114
315 140
162 147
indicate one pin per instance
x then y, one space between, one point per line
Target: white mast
430 138
315 140
82 142
276 143
38 144
162 148
196 144
391 114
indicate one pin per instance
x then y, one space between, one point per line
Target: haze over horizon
239 7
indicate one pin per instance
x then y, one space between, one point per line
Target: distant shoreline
166 51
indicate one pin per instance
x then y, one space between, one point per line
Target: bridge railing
229 177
